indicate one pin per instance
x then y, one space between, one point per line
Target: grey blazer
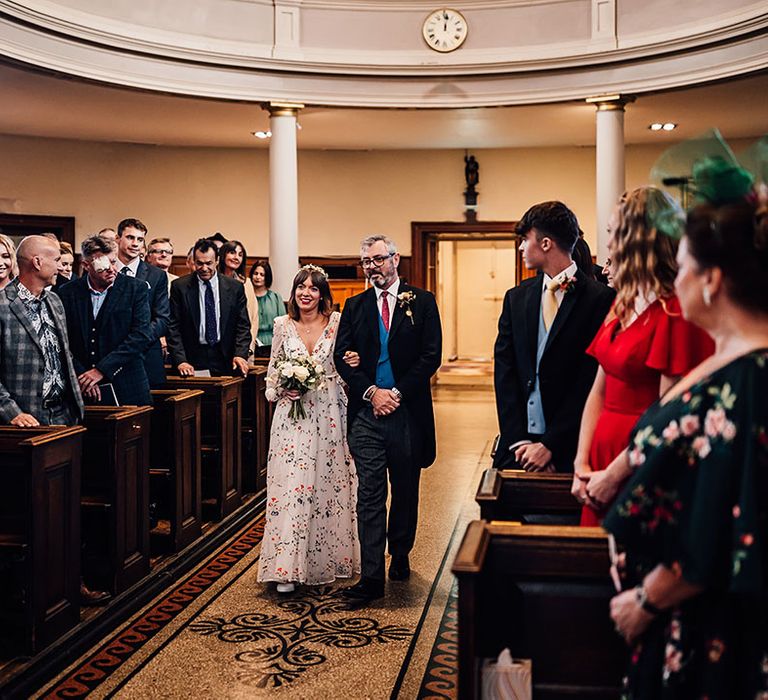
21 357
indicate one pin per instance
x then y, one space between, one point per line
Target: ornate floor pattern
219 633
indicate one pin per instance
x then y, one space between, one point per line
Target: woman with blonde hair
642 347
8 267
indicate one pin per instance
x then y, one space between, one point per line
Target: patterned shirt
37 312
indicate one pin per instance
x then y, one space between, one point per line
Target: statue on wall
472 176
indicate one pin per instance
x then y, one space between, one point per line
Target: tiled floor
223 635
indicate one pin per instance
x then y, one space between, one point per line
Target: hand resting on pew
25 420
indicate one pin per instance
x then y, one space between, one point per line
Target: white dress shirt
391 300
569 272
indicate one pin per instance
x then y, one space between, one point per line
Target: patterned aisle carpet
271 649
442 674
116 650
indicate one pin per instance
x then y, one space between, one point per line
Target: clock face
445 30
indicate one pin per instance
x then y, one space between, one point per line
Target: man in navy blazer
108 322
130 240
209 329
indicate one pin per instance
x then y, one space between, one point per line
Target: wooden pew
115 496
257 419
39 534
543 592
175 465
221 441
512 494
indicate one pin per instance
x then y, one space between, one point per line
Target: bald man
38 384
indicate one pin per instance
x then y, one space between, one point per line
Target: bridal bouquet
300 374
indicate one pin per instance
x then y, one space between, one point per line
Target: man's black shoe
367 589
399 568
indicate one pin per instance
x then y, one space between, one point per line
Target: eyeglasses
375 261
160 251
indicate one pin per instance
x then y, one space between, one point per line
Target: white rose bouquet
300 374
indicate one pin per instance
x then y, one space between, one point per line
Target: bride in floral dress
311 530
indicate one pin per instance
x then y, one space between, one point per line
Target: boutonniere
404 301
567 284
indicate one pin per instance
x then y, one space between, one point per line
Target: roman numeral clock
444 30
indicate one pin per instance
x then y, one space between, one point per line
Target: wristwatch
641 596
397 393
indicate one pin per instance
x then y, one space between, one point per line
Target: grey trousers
381 445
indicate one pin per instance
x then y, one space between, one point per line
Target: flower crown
309 267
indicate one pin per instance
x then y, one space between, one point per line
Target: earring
706 295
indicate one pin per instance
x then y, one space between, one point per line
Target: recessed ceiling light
666 126
261 134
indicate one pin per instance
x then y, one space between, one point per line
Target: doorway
473 276
469 267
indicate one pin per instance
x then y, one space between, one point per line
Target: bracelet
641 596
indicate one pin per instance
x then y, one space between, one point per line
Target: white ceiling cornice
110 51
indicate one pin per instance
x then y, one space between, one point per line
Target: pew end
528 497
39 535
543 592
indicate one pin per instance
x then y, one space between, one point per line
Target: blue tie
211 336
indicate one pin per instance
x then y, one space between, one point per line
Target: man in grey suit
38 384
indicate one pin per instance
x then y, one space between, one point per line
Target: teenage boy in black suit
395 329
542 374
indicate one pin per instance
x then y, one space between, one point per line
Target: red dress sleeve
677 346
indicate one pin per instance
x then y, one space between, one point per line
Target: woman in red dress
642 347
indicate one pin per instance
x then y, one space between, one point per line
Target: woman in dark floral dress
693 519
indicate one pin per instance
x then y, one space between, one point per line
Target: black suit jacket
183 336
566 372
160 315
123 336
415 351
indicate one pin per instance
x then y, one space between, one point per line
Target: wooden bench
175 466
221 441
543 592
39 534
115 496
529 497
257 419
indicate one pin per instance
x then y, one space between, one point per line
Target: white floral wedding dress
311 531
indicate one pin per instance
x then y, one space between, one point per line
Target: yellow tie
549 305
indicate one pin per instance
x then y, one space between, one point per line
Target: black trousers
381 446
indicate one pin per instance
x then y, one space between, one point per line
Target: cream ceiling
38 104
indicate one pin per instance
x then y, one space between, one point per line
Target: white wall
188 192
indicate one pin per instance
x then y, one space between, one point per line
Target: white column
610 177
283 196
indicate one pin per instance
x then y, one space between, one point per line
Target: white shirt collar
392 289
569 272
133 266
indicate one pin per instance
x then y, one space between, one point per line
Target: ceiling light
261 134
666 126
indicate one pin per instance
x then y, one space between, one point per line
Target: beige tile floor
345 654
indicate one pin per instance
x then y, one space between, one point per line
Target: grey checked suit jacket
21 358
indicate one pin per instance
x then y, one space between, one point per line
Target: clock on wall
444 30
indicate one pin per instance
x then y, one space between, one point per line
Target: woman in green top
264 306
693 520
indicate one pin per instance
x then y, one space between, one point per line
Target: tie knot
553 285
206 283
125 271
